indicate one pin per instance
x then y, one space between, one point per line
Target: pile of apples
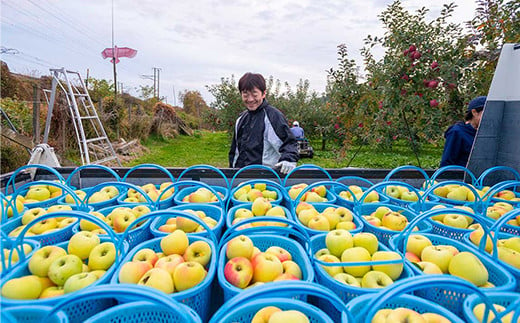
498 209
384 217
273 314
446 259
371 197
15 257
459 192
187 225
341 246
8 206
56 271
507 195
247 193
179 266
480 309
247 266
104 194
315 194
151 190
40 192
508 249
260 207
401 193
118 219
331 218
202 195
44 226
403 314
455 220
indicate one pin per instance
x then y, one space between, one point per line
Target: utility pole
156 71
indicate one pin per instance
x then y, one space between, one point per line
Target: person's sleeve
233 148
450 155
289 147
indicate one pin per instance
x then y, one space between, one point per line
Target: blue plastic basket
498 276
511 301
504 227
132 303
197 297
264 237
270 185
32 314
320 207
96 205
399 295
206 168
212 211
185 191
161 204
344 291
11 245
243 307
383 234
79 310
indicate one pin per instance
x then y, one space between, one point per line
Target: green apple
381 211
201 195
321 252
146 255
102 256
44 226
366 240
480 309
32 214
403 314
356 254
394 221
291 267
42 259
455 220
393 191
263 315
434 318
306 215
293 316
64 267
392 270
253 194
347 279
86 225
321 190
240 246
376 279
332 218
260 206
82 243
18 205
79 281
159 279
416 243
469 267
25 287
513 243
441 191
122 217
175 243
39 193
188 274
331 270
52 291
242 190
319 222
243 213
111 191
477 235
338 241
131 272
458 194
409 196
429 268
437 255
509 256
198 251
266 267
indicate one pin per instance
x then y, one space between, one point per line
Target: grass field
212 148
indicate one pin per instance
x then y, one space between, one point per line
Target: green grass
212 148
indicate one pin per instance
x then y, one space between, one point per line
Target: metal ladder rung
100 161
81 94
88 117
95 139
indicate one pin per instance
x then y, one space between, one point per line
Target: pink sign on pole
117 52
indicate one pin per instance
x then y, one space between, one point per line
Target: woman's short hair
251 80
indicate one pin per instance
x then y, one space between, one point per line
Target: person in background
460 136
262 134
297 131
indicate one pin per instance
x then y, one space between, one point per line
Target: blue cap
477 102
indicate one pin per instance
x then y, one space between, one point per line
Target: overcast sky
197 42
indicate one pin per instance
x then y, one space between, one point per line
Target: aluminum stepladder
84 116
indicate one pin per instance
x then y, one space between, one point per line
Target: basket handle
355 178
123 291
155 166
410 284
76 214
495 229
12 179
305 166
291 288
208 167
233 231
169 213
452 168
90 166
404 168
254 166
252 182
480 180
380 187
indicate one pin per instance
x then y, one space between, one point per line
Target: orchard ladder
92 138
